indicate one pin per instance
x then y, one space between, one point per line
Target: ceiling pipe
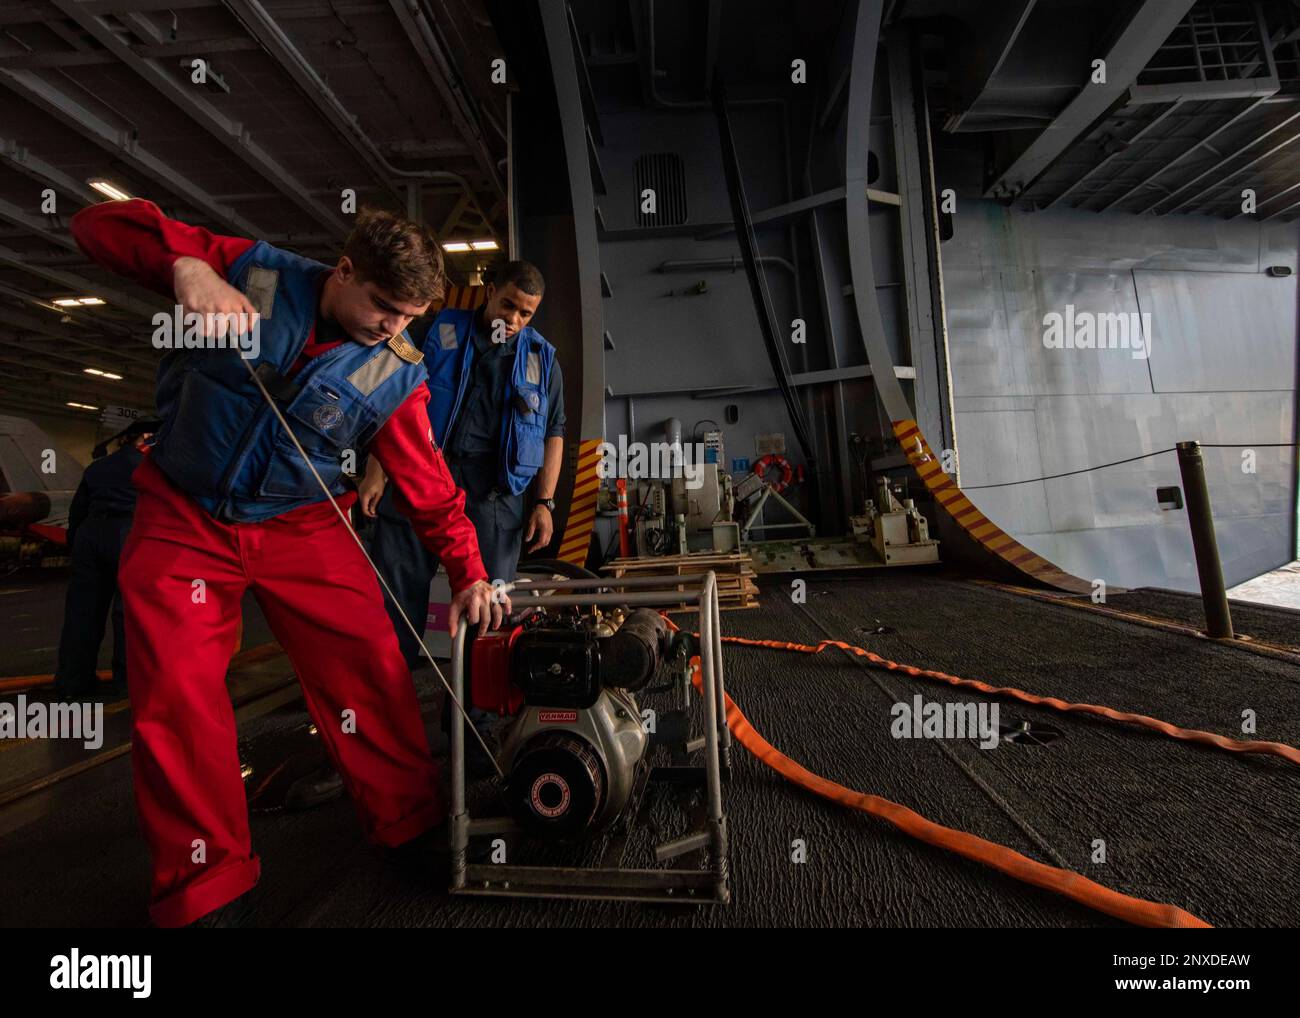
281 48
448 80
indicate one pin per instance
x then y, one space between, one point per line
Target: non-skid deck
1209 831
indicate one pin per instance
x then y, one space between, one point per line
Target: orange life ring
773 460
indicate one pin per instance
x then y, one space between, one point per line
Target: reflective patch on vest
374 372
447 336
533 371
327 416
260 289
405 349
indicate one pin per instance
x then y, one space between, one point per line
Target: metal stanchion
1218 619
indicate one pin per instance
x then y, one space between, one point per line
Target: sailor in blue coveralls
497 411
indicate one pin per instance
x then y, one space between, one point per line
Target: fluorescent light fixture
108 189
109 374
484 245
82 406
90 301
456 245
93 371
67 302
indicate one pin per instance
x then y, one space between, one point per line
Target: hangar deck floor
1210 831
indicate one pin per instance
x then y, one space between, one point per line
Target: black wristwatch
548 502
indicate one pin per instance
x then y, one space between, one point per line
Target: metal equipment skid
682 886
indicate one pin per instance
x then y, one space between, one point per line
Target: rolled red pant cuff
410 826
198 899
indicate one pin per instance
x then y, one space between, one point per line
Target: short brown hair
397 255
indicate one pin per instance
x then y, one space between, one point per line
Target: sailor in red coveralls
226 504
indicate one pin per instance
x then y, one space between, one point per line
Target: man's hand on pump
480 603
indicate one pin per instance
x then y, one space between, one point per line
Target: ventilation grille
663 173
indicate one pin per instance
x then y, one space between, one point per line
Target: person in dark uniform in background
98 522
497 410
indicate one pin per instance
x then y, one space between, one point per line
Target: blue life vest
220 442
449 355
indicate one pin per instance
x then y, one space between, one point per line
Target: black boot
237 913
320 786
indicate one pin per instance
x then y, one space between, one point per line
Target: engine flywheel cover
556 787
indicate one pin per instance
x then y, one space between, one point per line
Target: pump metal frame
681 886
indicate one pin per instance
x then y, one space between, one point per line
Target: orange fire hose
1289 753
17 683
1071 885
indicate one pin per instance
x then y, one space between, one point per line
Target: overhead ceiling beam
1150 181
1287 210
57 258
94 57
1223 162
32 367
71 345
13 404
453 217
113 340
143 6
280 48
124 146
1136 45
120 352
447 81
1000 27
264 28
1124 146
20 158
1269 201
169 50
80 284
181 94
32 343
36 225
64 58
55 392
24 365
95 324
23 14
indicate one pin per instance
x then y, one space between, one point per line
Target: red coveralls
317 592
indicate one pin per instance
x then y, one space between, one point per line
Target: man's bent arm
374 472
425 492
134 239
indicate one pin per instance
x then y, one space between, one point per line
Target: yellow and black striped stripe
975 523
582 506
460 298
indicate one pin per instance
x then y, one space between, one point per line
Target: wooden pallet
734 572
